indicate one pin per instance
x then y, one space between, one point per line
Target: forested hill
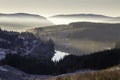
25 44
81 37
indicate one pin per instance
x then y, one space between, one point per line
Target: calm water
59 55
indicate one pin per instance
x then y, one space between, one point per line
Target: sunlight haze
53 7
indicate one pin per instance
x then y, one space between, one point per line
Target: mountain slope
22 21
11 73
81 37
24 44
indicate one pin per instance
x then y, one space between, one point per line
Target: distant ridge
22 21
78 15
69 18
22 14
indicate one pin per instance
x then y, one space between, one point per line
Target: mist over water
58 21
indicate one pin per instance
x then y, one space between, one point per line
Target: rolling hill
81 37
112 73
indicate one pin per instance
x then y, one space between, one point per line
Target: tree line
70 63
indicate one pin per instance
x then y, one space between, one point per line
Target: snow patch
2 55
3 69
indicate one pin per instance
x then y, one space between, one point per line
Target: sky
54 7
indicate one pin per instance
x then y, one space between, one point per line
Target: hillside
22 21
10 73
81 37
24 44
112 73
93 66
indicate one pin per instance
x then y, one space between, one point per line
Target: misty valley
60 47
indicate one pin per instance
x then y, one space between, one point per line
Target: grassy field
107 74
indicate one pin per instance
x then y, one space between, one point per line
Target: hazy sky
53 7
